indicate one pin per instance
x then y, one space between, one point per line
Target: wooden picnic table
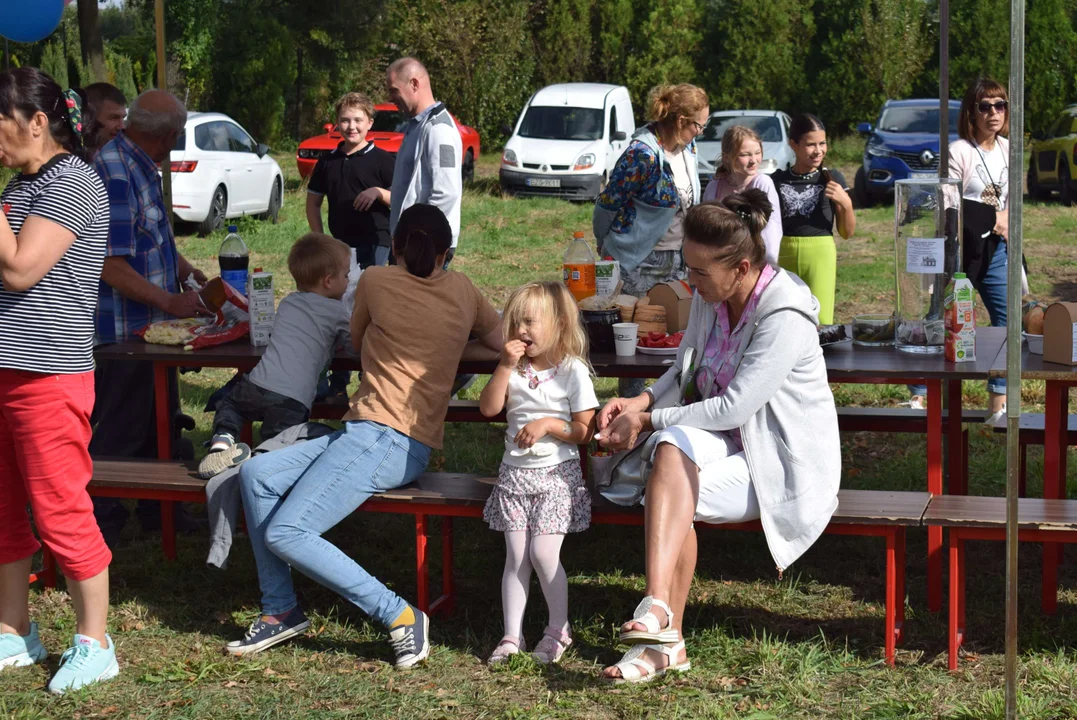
846 363
1058 380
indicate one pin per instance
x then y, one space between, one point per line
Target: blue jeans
292 496
992 291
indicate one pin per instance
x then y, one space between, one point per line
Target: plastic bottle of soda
234 260
579 268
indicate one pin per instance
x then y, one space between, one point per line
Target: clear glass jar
927 252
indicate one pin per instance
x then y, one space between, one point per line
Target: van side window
613 121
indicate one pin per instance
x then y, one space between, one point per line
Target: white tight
543 553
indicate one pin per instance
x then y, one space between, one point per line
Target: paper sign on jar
925 256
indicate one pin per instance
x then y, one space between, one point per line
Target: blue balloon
34 20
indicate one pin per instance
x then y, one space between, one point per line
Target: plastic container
1035 343
599 325
234 260
927 252
578 268
873 330
625 338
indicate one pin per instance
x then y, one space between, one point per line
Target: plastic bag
354 271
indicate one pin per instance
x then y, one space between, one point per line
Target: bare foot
636 626
659 660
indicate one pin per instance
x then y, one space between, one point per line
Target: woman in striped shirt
52 245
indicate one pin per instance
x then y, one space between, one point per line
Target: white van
567 140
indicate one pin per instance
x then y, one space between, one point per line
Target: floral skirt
545 501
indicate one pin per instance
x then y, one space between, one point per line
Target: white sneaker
997 419
916 402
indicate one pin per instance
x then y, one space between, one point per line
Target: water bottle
579 268
234 260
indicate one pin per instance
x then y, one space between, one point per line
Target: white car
772 126
567 140
220 172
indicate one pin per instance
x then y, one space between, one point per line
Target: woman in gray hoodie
754 437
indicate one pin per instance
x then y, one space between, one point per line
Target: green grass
806 646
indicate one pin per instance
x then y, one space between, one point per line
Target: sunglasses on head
999 106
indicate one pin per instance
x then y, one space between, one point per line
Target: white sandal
655 634
633 661
503 651
552 646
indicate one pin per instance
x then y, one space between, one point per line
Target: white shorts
726 491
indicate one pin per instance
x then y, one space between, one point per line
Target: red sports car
387 133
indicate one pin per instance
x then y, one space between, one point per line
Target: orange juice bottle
579 268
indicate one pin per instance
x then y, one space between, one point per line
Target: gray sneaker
218 461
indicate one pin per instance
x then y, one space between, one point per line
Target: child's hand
532 432
512 352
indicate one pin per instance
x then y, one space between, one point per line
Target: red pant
44 460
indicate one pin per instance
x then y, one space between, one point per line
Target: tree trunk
93 48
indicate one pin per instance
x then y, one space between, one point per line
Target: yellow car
1053 165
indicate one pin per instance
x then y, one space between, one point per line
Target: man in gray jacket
428 162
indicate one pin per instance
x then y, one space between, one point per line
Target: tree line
277 66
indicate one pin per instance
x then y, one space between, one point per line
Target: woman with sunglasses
638 216
754 437
980 161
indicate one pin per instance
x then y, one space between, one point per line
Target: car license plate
924 176
544 182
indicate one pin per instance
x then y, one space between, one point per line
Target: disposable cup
624 338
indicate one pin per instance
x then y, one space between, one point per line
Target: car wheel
860 190
276 199
218 208
1035 189
1069 193
467 169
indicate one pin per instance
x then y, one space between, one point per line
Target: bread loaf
651 318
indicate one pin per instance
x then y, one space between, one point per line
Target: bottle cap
257 270
959 276
232 228
577 234
608 257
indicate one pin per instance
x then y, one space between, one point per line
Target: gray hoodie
781 401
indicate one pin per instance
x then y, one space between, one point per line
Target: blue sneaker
21 650
410 641
84 663
262 635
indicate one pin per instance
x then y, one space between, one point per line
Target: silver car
772 126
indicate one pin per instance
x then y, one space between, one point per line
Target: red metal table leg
1054 449
448 583
934 486
421 579
956 627
891 596
899 628
955 440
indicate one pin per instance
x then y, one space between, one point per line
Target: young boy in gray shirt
310 325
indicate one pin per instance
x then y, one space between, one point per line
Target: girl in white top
544 383
742 153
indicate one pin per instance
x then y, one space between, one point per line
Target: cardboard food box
1060 333
676 297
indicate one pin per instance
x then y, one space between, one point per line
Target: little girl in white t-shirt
544 381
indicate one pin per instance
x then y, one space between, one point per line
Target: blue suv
904 143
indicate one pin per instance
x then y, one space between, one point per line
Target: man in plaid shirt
140 284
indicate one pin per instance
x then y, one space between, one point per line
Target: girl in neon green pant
812 198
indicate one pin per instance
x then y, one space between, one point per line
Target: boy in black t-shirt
356 177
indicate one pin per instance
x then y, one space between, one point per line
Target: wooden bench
860 512
1031 432
984 518
445 495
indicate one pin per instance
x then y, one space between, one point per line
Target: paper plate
656 351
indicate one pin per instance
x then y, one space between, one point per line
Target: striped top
50 327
